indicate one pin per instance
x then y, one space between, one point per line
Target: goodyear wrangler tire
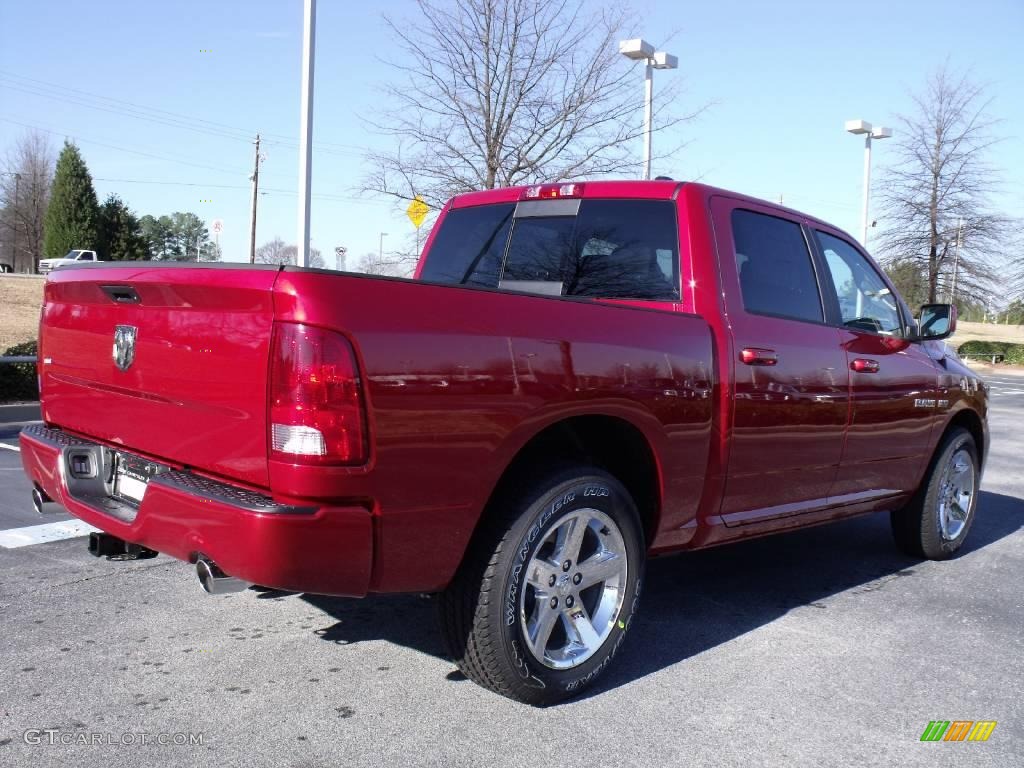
935 523
549 588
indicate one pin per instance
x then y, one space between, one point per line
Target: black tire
483 610
919 527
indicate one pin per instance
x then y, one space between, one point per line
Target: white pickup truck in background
76 256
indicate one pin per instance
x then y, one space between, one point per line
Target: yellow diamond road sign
417 211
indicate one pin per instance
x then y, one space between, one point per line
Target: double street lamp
860 127
638 49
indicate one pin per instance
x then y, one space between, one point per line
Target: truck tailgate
186 382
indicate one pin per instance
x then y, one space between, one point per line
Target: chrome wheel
574 589
956 494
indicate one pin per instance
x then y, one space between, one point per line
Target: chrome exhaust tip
214 581
43 504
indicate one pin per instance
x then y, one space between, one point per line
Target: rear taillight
316 401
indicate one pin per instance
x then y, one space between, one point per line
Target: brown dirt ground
20 299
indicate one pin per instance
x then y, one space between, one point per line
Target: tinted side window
625 249
776 273
469 246
865 301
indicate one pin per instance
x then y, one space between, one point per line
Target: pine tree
73 213
119 233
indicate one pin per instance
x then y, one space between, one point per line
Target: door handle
863 365
756 356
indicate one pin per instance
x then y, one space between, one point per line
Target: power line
220 169
159 116
263 190
246 132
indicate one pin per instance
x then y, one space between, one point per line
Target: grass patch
1012 353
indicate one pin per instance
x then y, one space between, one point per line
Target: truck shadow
696 601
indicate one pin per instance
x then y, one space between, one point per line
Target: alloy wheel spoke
956 512
540 631
599 568
582 629
570 539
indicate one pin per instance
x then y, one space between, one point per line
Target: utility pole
255 195
956 257
306 129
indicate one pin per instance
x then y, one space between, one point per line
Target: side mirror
938 321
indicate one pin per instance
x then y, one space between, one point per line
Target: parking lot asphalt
817 648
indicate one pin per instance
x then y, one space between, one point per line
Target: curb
18 412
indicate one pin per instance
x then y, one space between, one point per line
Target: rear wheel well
607 442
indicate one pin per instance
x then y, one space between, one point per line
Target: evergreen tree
73 213
119 232
159 237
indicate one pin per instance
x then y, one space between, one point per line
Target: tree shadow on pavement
698 600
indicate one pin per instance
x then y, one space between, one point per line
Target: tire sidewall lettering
528 669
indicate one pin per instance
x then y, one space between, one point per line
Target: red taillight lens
316 400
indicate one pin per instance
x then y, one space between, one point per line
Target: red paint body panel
327 551
197 391
457 380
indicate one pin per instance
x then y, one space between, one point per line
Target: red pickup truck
579 377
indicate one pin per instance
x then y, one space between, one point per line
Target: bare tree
497 93
277 252
940 186
396 262
24 195
391 264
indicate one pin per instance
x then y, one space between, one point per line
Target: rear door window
469 246
776 272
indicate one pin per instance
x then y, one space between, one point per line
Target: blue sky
782 77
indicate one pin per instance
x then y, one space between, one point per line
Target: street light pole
858 127
306 129
638 49
380 250
648 114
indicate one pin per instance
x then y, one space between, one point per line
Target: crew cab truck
579 377
74 256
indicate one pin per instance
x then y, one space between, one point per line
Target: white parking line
10 447
39 534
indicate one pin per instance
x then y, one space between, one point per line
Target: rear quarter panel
458 380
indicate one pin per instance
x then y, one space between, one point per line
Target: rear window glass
470 245
625 249
611 249
540 247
